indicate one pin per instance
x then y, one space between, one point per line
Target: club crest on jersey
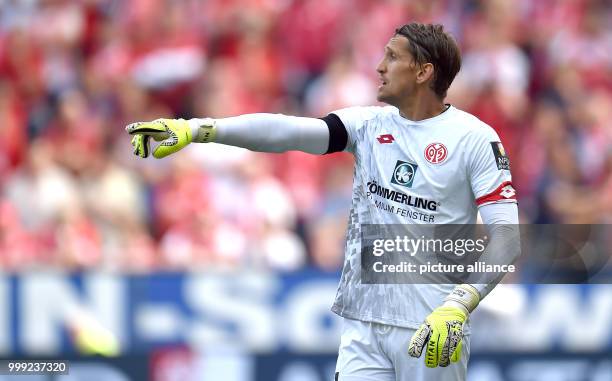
404 173
385 139
436 153
501 158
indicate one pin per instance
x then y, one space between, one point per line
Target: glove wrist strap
466 295
203 130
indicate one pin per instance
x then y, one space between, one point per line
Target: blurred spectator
13 137
73 73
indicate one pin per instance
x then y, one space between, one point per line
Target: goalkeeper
421 149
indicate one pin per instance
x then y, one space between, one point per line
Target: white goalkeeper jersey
433 171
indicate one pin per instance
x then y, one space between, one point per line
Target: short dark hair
429 43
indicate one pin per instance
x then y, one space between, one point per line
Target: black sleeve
338 137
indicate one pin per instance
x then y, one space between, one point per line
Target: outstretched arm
257 132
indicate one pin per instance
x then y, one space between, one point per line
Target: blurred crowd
74 73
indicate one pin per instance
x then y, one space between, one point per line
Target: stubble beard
385 98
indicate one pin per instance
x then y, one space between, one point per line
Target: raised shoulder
476 128
356 114
354 118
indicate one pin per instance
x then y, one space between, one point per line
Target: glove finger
156 128
433 350
417 343
144 127
457 353
145 147
141 145
131 127
135 144
455 335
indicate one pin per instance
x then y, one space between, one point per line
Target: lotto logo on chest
385 139
436 153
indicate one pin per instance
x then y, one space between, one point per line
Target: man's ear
424 73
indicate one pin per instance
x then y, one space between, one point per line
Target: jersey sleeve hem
499 202
338 136
503 193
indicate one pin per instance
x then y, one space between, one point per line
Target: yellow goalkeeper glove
441 334
174 135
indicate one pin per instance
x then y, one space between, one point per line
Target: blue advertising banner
43 313
39 312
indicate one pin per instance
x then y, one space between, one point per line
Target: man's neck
422 108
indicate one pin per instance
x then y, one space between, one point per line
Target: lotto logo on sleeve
504 192
501 158
404 173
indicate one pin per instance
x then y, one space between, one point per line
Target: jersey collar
441 116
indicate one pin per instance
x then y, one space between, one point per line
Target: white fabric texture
274 133
504 247
499 214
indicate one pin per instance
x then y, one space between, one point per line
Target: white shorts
379 352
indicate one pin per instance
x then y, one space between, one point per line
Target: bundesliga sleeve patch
501 158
